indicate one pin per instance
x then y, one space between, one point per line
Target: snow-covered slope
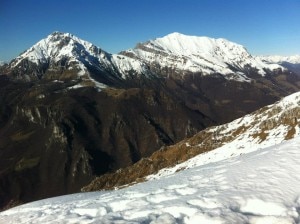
259 187
266 127
200 54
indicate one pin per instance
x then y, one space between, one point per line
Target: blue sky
262 26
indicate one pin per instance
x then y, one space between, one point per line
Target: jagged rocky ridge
72 111
268 126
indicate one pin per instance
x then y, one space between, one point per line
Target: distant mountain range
295 59
291 62
72 111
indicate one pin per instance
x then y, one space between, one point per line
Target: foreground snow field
258 187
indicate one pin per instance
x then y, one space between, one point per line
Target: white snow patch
77 86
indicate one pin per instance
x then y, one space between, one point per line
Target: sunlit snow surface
258 187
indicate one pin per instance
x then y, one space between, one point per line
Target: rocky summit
72 111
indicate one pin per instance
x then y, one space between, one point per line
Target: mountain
191 54
257 187
65 56
290 62
72 112
266 127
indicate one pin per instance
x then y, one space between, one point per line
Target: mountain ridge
177 51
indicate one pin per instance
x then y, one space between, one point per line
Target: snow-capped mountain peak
200 54
66 52
57 46
181 44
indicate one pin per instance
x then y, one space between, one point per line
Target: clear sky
262 26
